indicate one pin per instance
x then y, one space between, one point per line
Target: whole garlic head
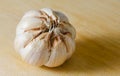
45 37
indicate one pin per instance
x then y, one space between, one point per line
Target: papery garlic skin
45 37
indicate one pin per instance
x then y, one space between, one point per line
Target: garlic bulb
45 37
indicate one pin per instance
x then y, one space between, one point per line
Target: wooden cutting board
97 23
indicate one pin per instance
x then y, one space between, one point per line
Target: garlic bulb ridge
45 37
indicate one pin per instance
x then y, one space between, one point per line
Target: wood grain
97 23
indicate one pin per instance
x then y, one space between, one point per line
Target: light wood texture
97 43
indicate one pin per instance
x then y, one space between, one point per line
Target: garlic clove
36 52
70 45
21 40
58 54
28 23
31 13
68 27
61 16
49 12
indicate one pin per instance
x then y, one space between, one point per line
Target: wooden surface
97 43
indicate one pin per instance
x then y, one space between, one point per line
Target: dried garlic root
45 37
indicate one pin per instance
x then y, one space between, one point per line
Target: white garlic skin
40 41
